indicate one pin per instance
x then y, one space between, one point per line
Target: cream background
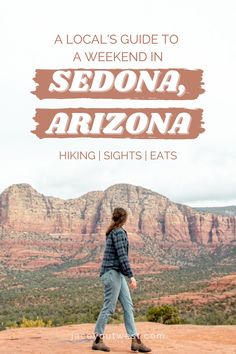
205 171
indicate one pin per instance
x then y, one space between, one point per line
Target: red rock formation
36 230
22 208
220 284
218 289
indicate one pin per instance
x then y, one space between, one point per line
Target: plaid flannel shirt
116 253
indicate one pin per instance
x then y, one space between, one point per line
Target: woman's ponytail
119 217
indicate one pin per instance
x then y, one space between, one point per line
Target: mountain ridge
38 230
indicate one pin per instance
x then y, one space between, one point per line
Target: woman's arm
119 239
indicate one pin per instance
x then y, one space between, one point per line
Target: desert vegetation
42 298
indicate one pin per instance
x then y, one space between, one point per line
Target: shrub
166 314
32 323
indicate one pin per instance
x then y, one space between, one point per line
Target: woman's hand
133 283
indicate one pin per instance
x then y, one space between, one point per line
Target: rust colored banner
140 84
145 123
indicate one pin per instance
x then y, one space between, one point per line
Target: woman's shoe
98 344
138 346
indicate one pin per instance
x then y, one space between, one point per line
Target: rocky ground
163 339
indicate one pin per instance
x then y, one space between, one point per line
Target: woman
115 267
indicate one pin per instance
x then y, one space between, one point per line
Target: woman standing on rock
115 267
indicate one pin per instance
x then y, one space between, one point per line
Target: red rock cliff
22 208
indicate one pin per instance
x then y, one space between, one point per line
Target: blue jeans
116 288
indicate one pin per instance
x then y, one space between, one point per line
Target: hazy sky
204 173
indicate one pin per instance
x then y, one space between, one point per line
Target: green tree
166 314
